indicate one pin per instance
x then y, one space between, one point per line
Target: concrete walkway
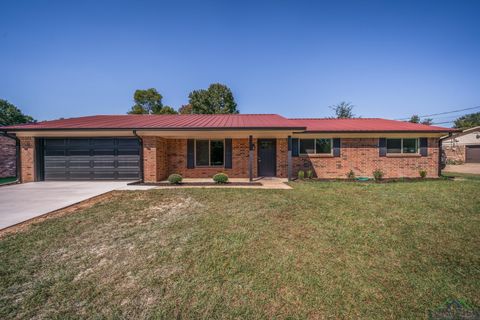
21 202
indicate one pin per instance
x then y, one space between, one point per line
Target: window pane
394 145
201 152
324 145
216 153
410 146
307 146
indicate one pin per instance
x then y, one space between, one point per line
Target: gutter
141 153
17 155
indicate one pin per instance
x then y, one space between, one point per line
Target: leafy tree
10 114
218 98
468 121
427 121
186 109
147 102
414 119
168 110
343 110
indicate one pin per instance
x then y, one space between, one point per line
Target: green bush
378 175
301 175
220 178
175 178
310 174
423 174
351 175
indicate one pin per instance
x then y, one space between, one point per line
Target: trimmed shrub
220 178
351 175
175 178
310 174
378 175
423 174
301 175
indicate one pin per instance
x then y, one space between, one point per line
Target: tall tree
186 109
10 114
343 110
218 98
414 119
147 101
427 121
168 110
468 121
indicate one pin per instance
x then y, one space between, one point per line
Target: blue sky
389 58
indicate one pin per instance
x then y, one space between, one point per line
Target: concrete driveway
473 168
21 202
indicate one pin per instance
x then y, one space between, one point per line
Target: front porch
244 158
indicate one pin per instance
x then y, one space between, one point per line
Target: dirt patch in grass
321 250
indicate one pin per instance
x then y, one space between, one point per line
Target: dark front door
267 155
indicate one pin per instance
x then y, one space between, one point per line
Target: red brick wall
362 156
27 158
154 159
282 158
177 160
7 157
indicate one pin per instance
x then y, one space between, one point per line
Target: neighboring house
7 157
463 147
242 145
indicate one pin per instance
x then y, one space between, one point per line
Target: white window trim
401 145
315 147
209 154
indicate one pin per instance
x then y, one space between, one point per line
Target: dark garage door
473 154
91 159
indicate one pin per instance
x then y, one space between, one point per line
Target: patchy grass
321 250
7 180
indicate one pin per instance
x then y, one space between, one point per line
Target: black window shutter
336 147
424 147
191 153
228 153
382 147
294 147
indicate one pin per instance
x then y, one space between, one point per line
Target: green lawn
7 180
321 250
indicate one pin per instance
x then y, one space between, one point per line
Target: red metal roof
227 121
366 125
189 121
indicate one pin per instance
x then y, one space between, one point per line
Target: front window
209 153
402 145
315 146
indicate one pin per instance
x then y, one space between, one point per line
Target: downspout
17 155
141 153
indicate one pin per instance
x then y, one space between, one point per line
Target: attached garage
472 154
88 159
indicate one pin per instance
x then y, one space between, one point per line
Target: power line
437 114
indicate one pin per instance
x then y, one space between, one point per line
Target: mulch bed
385 180
197 184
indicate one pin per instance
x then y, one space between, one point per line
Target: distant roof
226 122
167 122
365 125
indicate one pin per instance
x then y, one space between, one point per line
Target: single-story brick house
7 157
463 147
150 147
